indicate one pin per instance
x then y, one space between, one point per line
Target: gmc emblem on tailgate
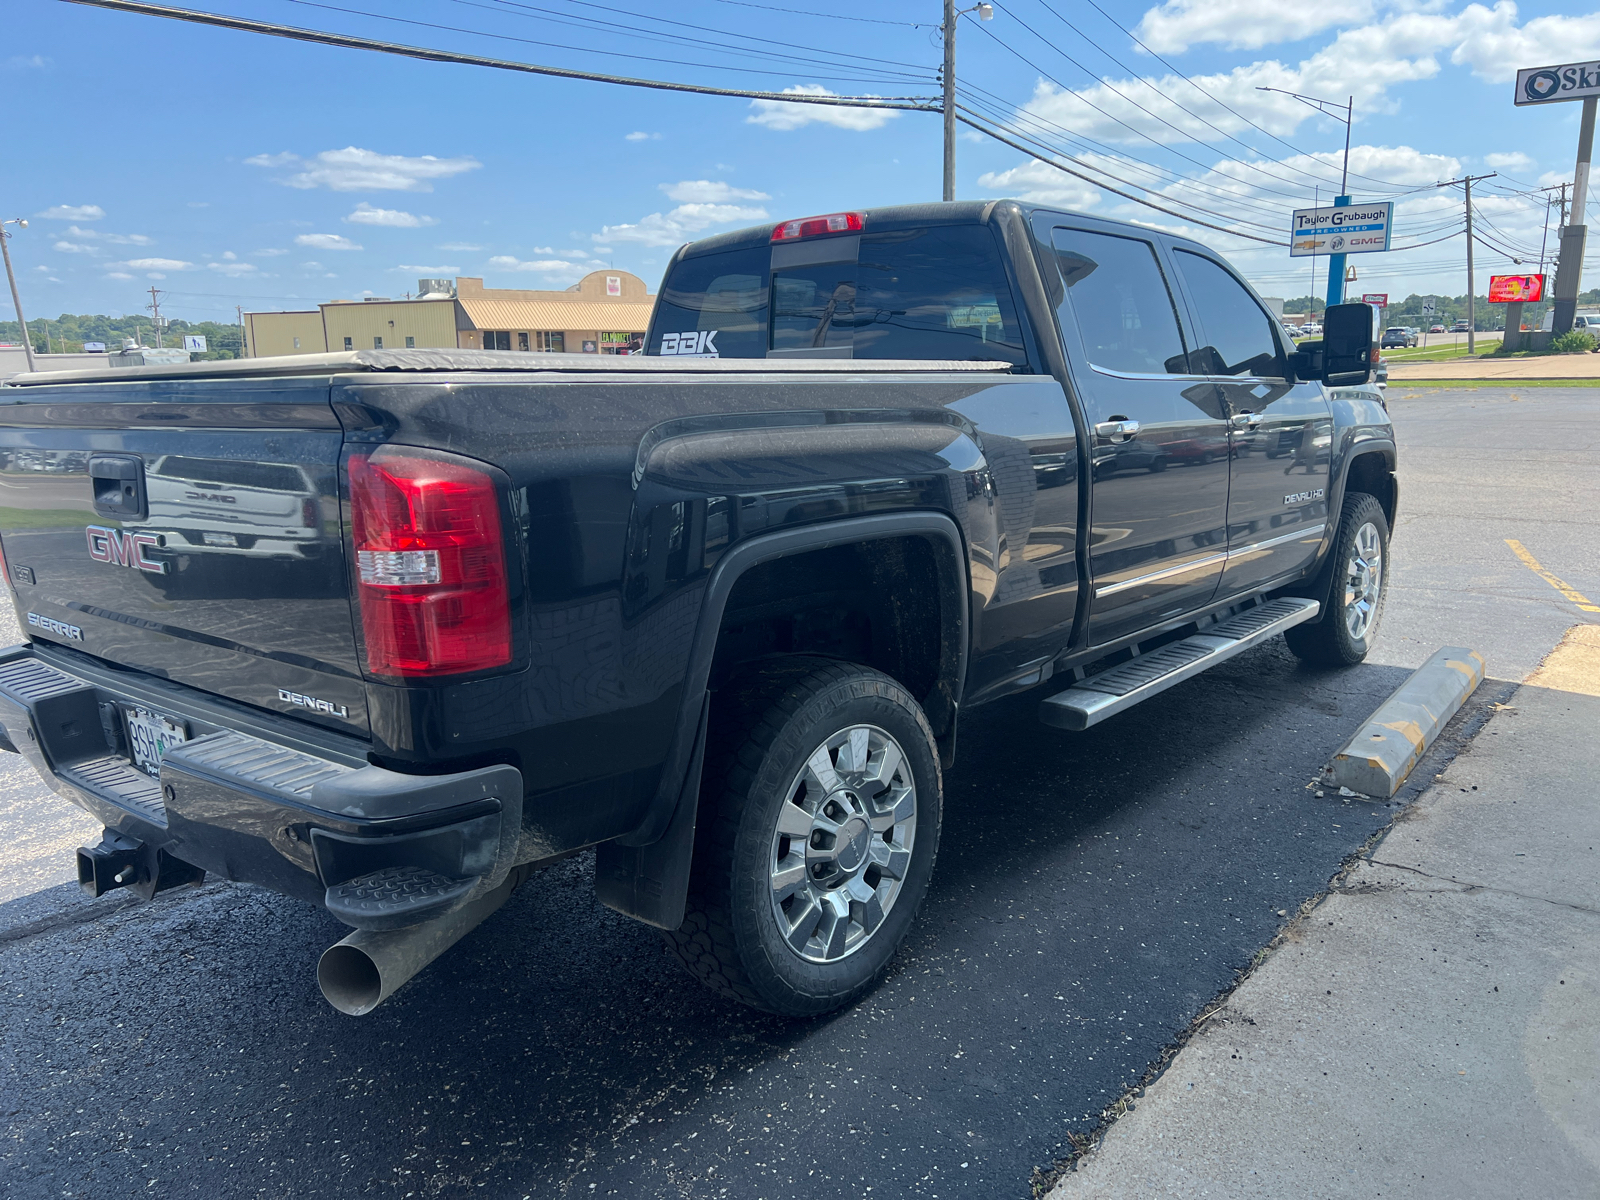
124 549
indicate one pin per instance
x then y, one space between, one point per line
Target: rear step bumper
1100 696
377 848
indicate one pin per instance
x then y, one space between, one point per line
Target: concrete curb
1380 756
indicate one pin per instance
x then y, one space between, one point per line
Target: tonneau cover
495 360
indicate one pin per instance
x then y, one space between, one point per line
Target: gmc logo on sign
124 549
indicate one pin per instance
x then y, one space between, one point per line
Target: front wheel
1353 603
819 822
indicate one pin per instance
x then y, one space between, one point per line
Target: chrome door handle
1117 431
1246 420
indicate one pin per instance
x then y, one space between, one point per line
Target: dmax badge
699 345
124 549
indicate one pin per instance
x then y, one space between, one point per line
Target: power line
828 16
351 42
1215 100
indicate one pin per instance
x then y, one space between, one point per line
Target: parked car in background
1397 338
1461 327
1311 329
1436 329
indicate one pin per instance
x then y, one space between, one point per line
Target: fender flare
645 874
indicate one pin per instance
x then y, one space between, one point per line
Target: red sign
1508 289
1376 299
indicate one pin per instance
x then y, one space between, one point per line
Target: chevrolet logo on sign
124 549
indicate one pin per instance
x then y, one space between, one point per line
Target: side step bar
1100 696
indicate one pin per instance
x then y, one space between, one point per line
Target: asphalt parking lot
1093 892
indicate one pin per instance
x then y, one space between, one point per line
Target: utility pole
11 277
951 14
238 310
1569 266
155 310
1472 320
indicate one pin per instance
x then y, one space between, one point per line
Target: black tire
1330 640
765 727
1158 464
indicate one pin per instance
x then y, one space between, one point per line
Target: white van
1583 320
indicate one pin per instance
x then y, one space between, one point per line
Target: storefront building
606 312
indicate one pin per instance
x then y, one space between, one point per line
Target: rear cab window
937 292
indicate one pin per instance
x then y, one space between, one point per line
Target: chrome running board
1100 696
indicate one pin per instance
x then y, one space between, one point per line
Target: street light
1329 108
16 299
985 13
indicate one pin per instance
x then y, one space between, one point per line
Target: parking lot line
1560 585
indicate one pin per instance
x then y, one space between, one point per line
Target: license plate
150 736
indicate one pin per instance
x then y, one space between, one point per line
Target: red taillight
430 565
806 227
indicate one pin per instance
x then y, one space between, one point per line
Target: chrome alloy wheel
843 843
1363 582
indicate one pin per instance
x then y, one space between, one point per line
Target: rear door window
1119 301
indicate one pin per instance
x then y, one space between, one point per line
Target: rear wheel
819 822
1353 605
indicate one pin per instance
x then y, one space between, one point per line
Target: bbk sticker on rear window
696 345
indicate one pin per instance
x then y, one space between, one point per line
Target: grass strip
1493 383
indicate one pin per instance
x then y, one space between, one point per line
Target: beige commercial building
606 312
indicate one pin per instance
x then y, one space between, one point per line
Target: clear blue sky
229 168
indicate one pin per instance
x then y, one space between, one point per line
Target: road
1093 892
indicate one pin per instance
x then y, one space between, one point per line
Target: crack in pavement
1484 887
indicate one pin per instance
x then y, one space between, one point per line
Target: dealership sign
1512 289
1354 229
1544 85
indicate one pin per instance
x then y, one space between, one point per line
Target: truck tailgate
213 556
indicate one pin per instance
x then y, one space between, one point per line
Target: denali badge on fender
124 549
311 702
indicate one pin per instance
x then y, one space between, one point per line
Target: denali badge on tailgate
311 702
124 549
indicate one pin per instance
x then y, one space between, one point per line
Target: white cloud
326 241
1494 45
1240 24
413 269
157 264
155 275
366 214
229 255
233 270
118 275
777 114
1514 161
506 262
356 170
120 239
73 212
705 191
679 225
269 253
639 135
1040 183
312 266
45 269
458 247
53 279
27 62
76 248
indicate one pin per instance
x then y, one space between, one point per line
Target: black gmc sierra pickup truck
387 631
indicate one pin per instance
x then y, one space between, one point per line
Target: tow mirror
1349 352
